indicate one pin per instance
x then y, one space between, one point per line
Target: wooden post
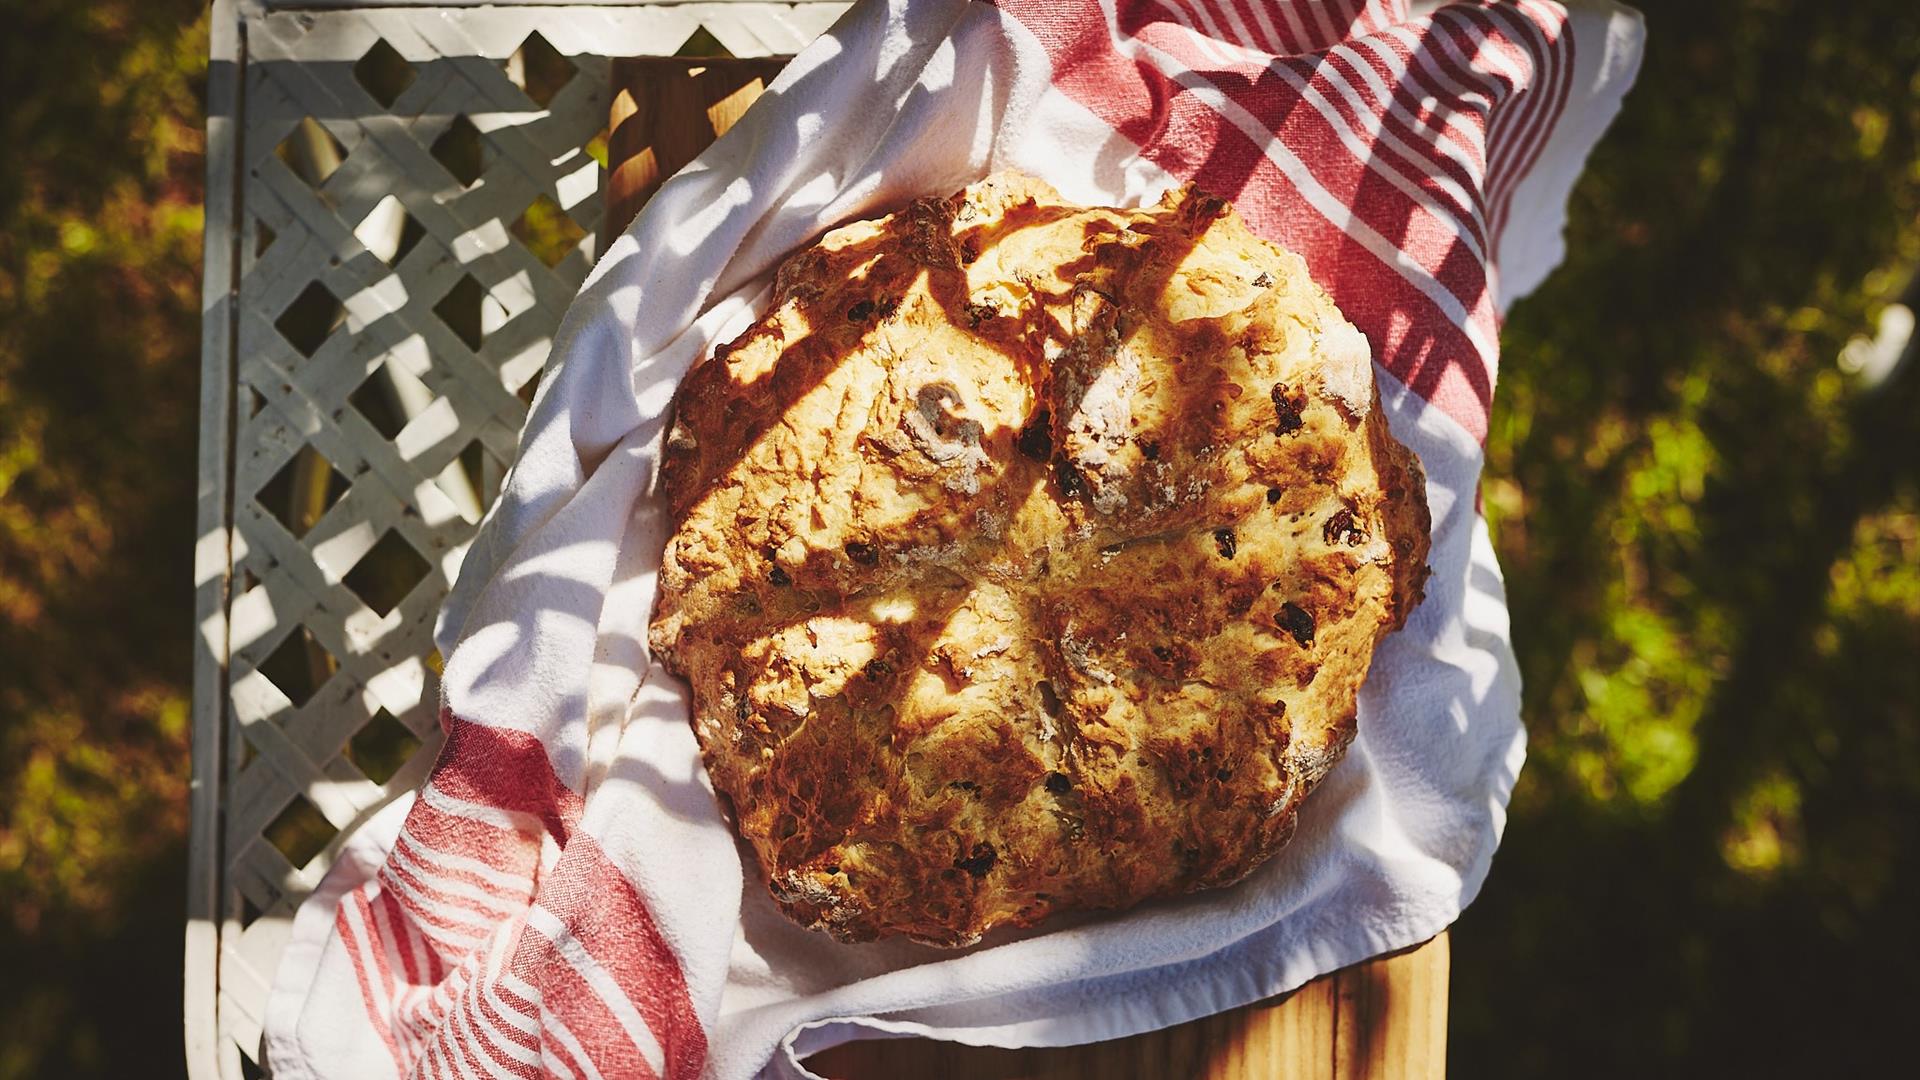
666 109
1384 1019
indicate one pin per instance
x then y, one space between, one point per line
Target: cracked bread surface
1029 557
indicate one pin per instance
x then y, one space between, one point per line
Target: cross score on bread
1029 557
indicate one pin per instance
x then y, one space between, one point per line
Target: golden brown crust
1030 557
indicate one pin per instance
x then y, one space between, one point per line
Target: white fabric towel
563 897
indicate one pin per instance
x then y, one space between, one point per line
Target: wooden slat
1385 1019
665 111
207 1056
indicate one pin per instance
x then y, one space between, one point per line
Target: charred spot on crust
1036 441
1263 280
1059 783
1297 621
979 861
1071 482
1150 451
1188 772
1225 540
877 669
1240 601
1288 404
1273 495
778 574
963 785
1341 527
1202 206
970 249
979 313
862 553
937 403
860 312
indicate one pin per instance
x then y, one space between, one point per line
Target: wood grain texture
665 111
1385 1019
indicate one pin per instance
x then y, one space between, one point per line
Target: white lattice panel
380 301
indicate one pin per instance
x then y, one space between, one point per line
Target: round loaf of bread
1030 557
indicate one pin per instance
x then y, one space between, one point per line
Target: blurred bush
100 225
1710 531
1711 535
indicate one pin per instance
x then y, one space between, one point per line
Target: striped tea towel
563 898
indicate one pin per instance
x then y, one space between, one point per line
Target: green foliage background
100 221
1711 538
1712 547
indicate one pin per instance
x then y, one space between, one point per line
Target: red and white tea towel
563 898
